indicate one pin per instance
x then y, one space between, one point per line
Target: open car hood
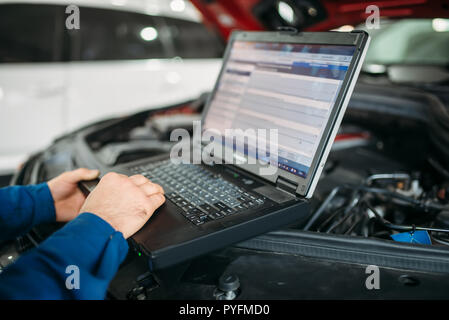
311 15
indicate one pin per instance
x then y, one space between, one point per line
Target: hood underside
310 15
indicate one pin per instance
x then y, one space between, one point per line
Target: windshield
409 41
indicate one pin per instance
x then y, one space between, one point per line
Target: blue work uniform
77 262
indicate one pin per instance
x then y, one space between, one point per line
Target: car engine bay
386 175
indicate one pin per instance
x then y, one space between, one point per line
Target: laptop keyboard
202 195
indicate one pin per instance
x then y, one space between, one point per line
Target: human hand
126 203
67 197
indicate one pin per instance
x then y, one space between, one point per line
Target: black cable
355 224
440 241
330 218
345 218
352 203
438 167
398 227
418 203
323 206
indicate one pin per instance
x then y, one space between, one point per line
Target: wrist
92 233
107 219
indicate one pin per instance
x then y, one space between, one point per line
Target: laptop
294 84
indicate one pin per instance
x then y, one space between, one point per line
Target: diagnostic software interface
288 87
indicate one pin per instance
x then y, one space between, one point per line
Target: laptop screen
288 87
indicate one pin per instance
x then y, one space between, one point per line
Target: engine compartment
375 185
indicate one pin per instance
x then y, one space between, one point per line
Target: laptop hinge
286 185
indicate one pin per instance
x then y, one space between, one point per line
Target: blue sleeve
23 207
76 262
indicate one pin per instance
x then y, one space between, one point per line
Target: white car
127 55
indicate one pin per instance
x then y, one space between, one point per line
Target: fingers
81 174
138 179
154 201
146 185
151 188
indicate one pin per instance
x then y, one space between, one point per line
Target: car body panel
131 86
227 15
42 100
151 7
31 110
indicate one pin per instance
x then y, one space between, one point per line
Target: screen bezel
356 39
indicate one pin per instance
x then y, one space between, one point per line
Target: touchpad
166 226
